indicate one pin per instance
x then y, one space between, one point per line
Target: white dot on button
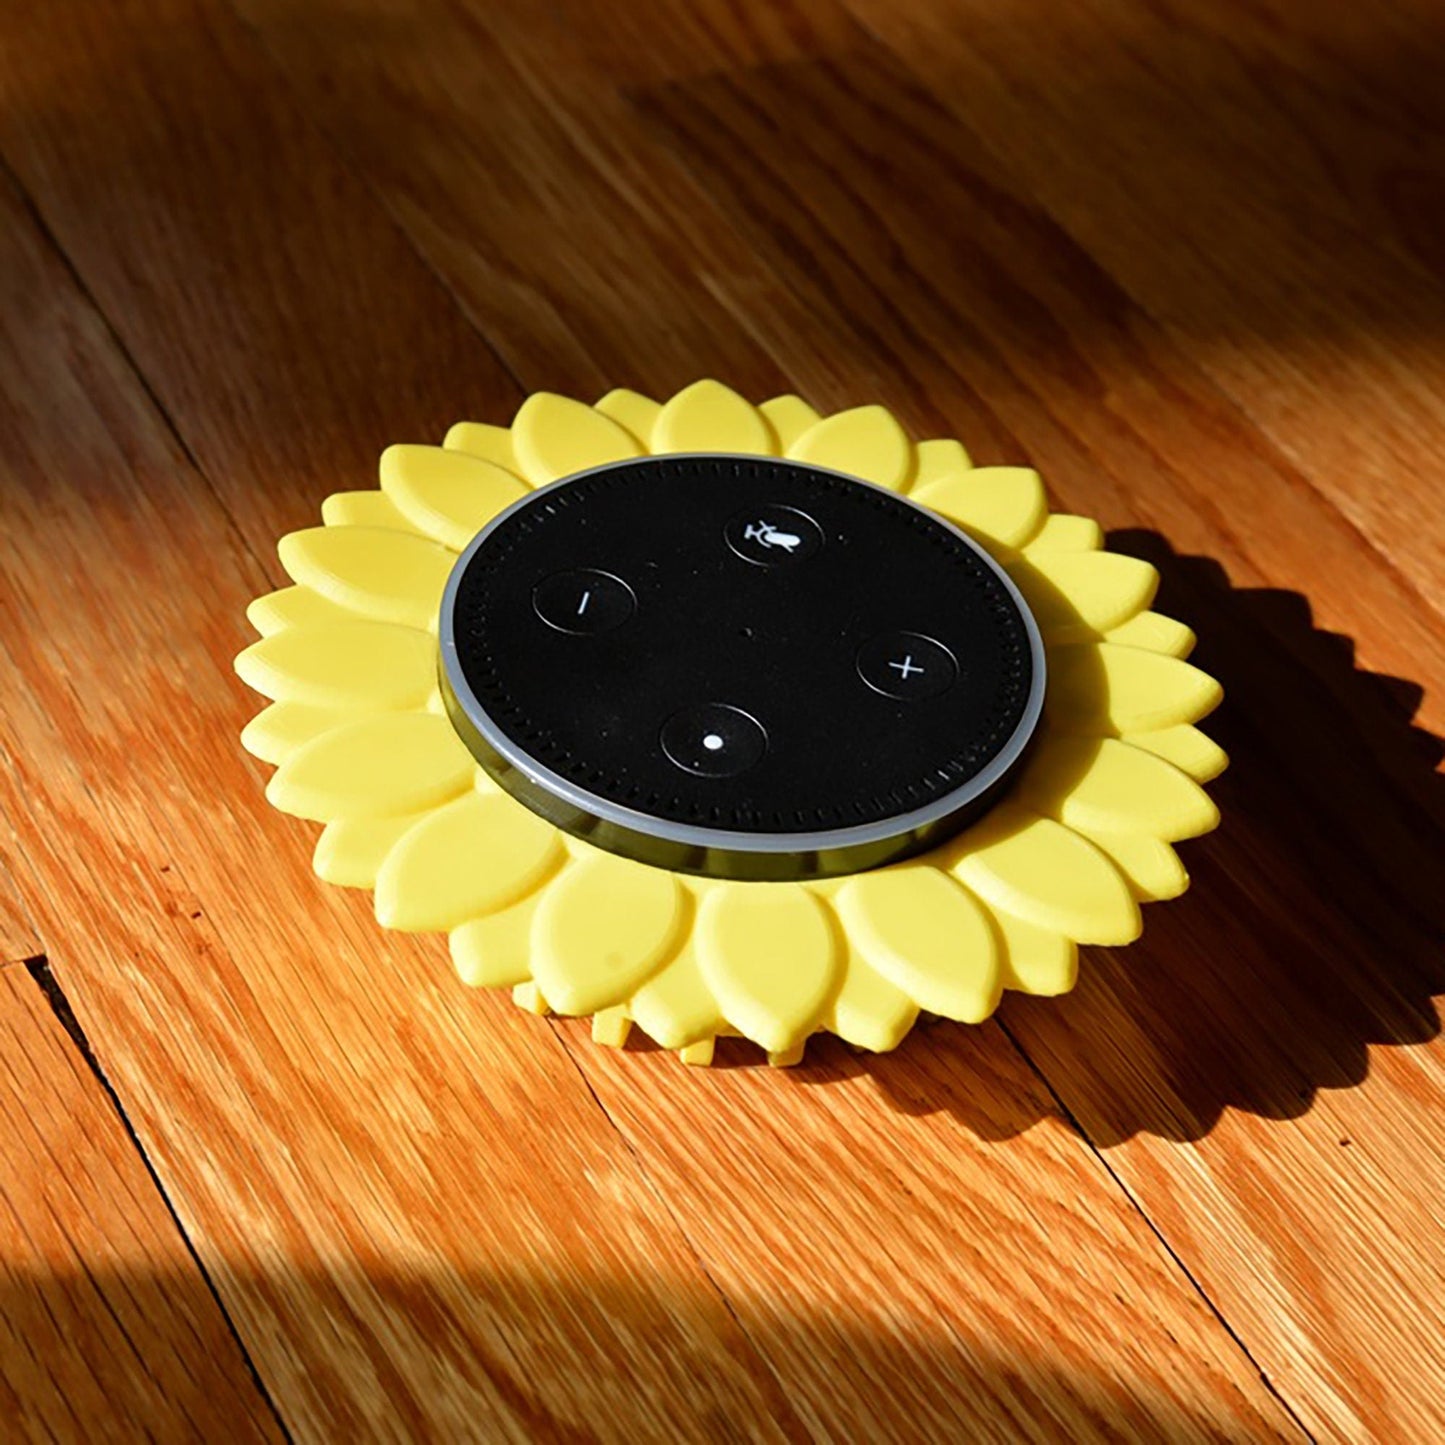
712 742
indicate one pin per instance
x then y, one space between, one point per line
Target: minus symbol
582 605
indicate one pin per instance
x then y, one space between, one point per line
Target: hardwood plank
1263 179
415 1212
444 117
898 1195
107 1327
1315 930
278 992
19 938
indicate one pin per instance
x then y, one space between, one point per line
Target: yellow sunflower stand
359 732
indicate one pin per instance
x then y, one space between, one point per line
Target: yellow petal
447 494
1154 633
1046 874
496 951
675 1007
865 442
633 411
277 731
939 461
1005 505
604 926
710 417
343 665
363 509
789 416
1187 748
294 607
555 436
1153 870
1124 688
468 859
390 576
350 851
1102 783
1035 960
769 953
1075 596
868 1011
1065 533
481 439
392 762
924 933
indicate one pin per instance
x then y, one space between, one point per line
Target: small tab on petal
611 1027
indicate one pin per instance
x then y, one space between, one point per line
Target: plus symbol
906 668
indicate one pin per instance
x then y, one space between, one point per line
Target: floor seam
40 972
1073 1123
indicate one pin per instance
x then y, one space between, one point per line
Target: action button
713 740
583 601
770 534
906 665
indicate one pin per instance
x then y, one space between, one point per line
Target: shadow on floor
552 1352
1315 925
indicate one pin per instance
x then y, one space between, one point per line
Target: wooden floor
267 1173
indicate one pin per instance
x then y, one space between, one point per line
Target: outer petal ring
1084 837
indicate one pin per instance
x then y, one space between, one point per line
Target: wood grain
372 1174
1267 182
108 1330
299 230
526 1262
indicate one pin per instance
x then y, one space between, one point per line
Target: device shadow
1314 925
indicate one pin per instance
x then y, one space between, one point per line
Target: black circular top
739 666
